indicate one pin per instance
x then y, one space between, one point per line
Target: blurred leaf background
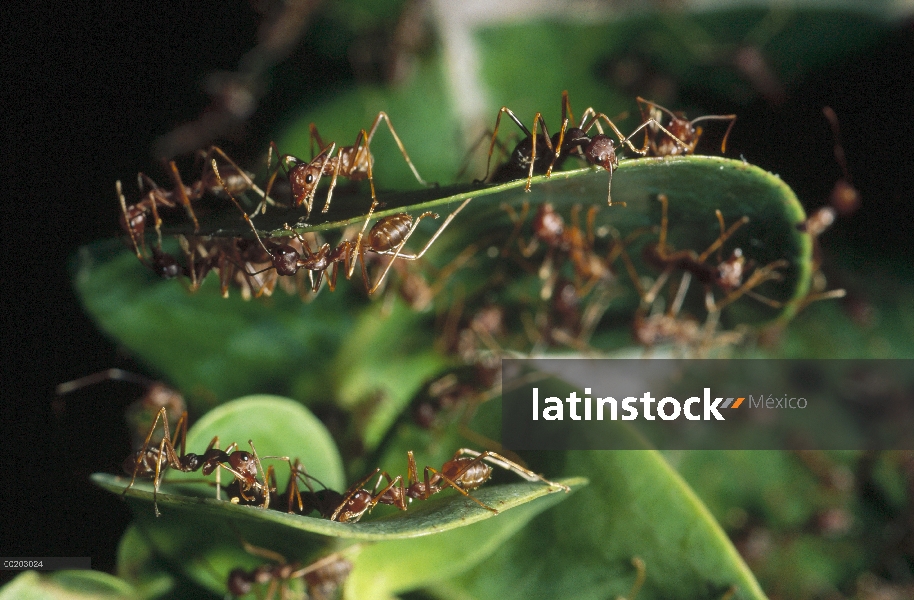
108 87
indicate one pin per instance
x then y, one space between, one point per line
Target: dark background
90 88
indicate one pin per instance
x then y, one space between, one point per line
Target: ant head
601 152
165 265
285 259
303 178
244 463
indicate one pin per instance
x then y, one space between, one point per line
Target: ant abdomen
389 232
467 472
142 462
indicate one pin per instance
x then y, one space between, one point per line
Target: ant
134 216
151 461
683 130
550 228
133 220
844 198
322 577
467 470
388 237
598 150
727 274
353 162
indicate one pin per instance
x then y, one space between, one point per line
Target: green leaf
433 516
75 585
200 534
221 347
396 566
636 506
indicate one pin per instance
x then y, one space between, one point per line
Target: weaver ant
151 460
845 198
322 577
134 217
681 134
598 150
388 237
162 264
353 162
467 470
727 274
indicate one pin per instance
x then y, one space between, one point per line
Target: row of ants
252 485
388 236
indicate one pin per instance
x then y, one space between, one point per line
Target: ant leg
265 199
155 197
280 164
566 119
127 222
731 118
374 126
759 276
182 194
392 484
518 220
162 414
500 461
472 148
243 214
537 118
639 578
502 110
724 235
313 136
456 486
357 149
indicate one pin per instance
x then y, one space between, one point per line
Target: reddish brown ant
679 129
598 150
162 263
727 274
387 237
237 178
151 460
467 470
353 162
322 577
844 199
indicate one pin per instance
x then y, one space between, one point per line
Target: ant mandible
352 162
